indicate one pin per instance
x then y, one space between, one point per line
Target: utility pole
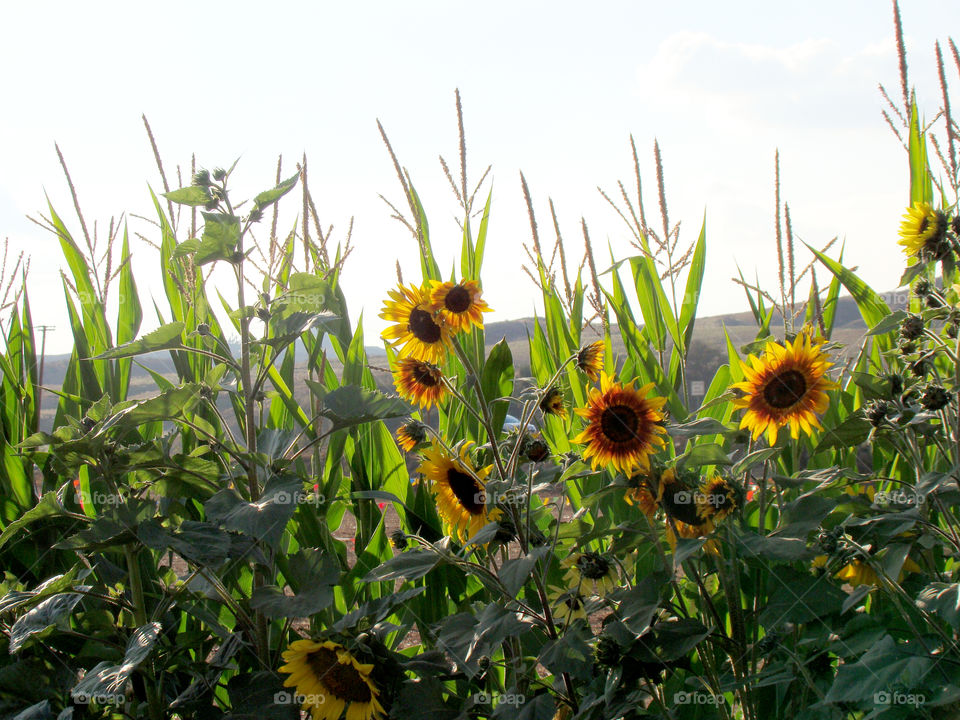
44 329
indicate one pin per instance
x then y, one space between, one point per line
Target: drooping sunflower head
590 570
552 403
419 381
590 360
624 425
411 434
331 681
787 386
417 330
458 304
678 499
459 490
716 499
639 493
923 232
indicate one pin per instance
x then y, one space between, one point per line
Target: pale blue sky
553 89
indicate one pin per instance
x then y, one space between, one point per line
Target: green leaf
882 668
274 603
164 337
187 247
706 454
497 380
221 233
703 426
851 432
772 548
45 615
411 565
268 197
106 683
921 184
48 505
193 195
871 306
353 405
942 599
264 519
888 324
691 294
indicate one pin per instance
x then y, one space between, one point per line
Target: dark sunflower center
342 680
423 375
573 602
458 300
619 424
423 327
466 490
924 224
785 389
592 566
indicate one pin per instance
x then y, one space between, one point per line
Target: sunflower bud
506 532
256 215
483 662
907 347
203 329
202 178
920 368
768 643
398 538
935 398
535 448
896 384
912 327
922 288
607 653
219 174
877 412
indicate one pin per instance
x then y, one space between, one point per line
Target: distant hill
707 351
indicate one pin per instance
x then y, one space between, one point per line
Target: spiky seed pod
934 398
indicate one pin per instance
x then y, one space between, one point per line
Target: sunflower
591 568
923 228
679 504
716 499
787 386
858 572
419 381
552 403
567 605
459 304
638 494
590 360
411 434
421 333
331 680
623 425
458 487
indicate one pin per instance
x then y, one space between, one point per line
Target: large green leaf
353 405
269 197
106 683
193 195
164 337
221 233
45 615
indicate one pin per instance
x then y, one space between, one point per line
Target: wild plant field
578 539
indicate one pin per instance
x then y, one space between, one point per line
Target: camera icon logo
882 697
